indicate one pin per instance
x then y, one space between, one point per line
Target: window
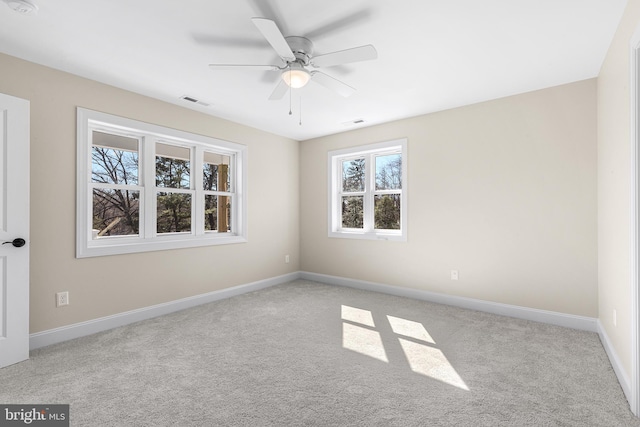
143 187
367 192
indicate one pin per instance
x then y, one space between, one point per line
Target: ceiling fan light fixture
296 76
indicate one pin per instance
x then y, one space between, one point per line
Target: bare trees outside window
217 188
144 187
367 194
386 200
388 180
173 171
353 186
116 198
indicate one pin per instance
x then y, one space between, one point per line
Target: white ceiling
432 54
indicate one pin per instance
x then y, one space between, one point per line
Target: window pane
114 159
115 212
387 212
353 175
217 213
216 172
172 166
174 213
353 212
389 172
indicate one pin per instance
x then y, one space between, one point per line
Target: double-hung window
143 187
367 191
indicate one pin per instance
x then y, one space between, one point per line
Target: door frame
634 85
15 300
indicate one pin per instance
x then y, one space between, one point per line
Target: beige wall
503 191
108 285
614 160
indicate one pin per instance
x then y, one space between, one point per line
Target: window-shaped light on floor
358 334
410 329
422 354
357 315
364 341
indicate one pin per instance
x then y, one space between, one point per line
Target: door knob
18 243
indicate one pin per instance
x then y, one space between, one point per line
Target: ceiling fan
297 54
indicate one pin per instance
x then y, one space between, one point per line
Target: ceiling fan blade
346 22
356 54
333 84
268 9
280 90
246 66
272 33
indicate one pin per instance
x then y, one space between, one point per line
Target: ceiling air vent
353 122
193 100
22 6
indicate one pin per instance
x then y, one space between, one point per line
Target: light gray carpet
310 354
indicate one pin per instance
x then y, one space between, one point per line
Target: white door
14 226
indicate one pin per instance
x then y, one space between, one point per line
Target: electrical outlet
62 298
454 274
286 259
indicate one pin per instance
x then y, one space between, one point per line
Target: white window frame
148 239
369 152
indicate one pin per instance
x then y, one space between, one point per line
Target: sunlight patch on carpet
431 362
364 341
357 315
410 329
424 359
359 334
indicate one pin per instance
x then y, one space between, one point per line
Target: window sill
119 247
367 236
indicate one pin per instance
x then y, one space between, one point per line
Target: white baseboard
543 316
623 379
77 330
64 333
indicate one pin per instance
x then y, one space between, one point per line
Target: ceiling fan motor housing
297 53
301 47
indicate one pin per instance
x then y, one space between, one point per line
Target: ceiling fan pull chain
290 90
300 122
